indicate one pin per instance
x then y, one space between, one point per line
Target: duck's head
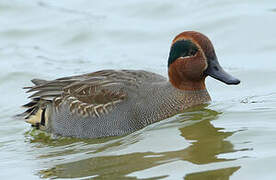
192 58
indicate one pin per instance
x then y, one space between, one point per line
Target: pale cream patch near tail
36 118
40 118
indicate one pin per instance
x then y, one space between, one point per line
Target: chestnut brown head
192 58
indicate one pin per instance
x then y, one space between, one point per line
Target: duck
118 102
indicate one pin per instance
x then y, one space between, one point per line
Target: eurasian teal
118 102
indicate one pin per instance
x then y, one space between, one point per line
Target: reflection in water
207 142
220 174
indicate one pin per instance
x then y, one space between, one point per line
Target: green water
231 138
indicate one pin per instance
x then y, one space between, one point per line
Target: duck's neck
189 85
179 81
188 98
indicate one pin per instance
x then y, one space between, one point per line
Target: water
232 138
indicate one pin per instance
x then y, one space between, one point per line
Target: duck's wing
88 94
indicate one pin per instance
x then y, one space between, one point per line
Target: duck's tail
36 108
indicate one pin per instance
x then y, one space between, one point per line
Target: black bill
215 70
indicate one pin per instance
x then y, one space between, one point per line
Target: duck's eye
192 52
189 52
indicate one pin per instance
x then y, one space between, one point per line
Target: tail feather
35 107
43 94
38 81
30 104
31 111
35 113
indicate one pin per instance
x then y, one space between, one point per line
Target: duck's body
111 103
